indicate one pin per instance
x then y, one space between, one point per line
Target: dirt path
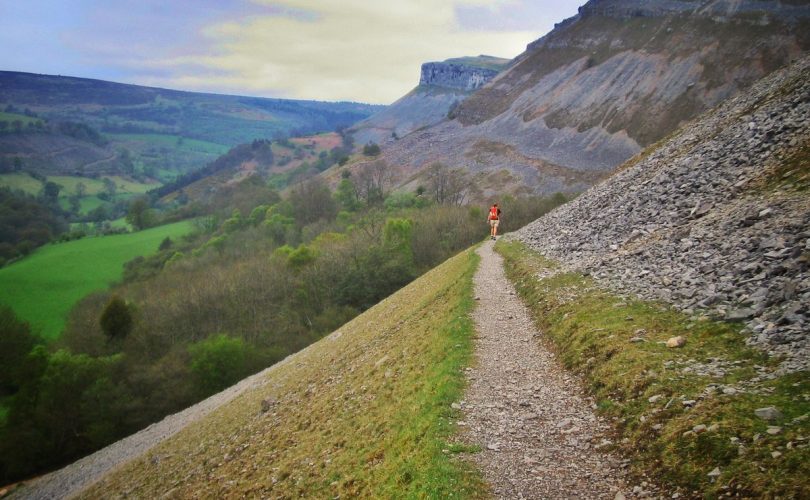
538 435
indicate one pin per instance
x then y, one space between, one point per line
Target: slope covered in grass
365 412
44 286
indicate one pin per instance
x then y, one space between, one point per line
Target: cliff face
455 76
442 85
602 85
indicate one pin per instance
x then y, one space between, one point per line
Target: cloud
357 50
337 50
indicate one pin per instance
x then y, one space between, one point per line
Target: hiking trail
539 436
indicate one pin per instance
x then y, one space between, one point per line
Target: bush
218 362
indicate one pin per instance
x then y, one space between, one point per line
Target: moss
589 329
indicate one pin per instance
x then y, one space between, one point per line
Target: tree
218 362
311 200
51 191
116 320
139 213
448 187
16 341
373 181
371 149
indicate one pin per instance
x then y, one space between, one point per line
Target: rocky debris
678 341
539 435
693 224
769 413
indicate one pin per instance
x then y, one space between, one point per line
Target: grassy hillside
44 286
686 415
364 413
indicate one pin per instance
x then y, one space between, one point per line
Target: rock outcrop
442 86
715 221
465 74
601 86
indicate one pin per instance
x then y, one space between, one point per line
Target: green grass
365 413
172 141
23 182
44 286
590 330
11 117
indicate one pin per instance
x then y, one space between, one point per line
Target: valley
228 296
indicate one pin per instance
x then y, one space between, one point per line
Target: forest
255 282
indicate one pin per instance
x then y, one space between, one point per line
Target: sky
330 50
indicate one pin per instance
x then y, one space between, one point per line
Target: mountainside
617 77
164 131
715 220
442 85
361 413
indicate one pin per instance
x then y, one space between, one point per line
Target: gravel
538 435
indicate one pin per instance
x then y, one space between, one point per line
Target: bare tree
373 182
448 187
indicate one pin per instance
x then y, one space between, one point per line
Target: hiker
492 218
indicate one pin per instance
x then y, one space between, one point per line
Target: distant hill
618 76
164 131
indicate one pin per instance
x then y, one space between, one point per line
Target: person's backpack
494 212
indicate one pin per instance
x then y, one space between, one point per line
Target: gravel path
538 435
72 479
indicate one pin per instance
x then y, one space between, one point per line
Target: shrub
217 362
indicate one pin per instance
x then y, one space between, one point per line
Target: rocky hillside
442 85
715 219
602 85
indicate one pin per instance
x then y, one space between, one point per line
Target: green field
175 141
11 117
43 287
23 182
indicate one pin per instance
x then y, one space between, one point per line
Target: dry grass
364 412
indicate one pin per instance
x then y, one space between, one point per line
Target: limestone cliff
442 85
618 76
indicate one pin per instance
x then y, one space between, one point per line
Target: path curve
537 433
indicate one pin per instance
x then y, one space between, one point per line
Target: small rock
455 406
773 430
689 402
699 429
636 340
776 454
678 341
619 496
494 447
714 473
714 428
768 413
729 391
656 398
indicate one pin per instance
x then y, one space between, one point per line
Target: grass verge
43 287
363 413
660 398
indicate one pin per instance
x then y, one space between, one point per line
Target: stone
699 429
678 341
740 314
776 454
768 413
774 430
656 398
715 473
268 404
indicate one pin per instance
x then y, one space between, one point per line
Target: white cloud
336 50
